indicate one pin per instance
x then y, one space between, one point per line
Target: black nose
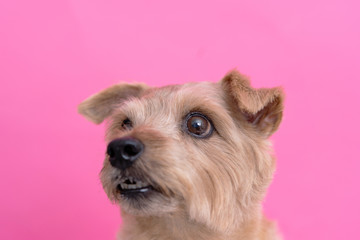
124 151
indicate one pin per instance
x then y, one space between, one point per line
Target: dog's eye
198 125
126 124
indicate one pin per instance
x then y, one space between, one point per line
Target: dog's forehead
182 97
174 101
192 89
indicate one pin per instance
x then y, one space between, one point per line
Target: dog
189 161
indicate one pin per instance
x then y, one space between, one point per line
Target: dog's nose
124 151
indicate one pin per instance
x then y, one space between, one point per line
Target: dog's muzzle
123 152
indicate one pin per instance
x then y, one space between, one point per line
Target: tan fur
210 188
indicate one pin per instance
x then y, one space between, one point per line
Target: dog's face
198 149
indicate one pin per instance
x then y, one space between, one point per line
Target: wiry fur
210 188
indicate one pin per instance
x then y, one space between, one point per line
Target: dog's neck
178 226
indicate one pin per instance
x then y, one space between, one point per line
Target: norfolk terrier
189 161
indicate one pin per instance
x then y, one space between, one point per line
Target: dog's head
199 149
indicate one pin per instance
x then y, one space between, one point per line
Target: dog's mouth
131 186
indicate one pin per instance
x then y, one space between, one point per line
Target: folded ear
262 108
100 106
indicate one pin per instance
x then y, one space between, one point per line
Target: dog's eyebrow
212 115
203 110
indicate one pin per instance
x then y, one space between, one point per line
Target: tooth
138 185
122 185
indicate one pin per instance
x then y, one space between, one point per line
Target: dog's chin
141 198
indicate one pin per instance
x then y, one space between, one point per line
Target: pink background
54 54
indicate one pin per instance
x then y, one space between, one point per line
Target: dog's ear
100 106
262 108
